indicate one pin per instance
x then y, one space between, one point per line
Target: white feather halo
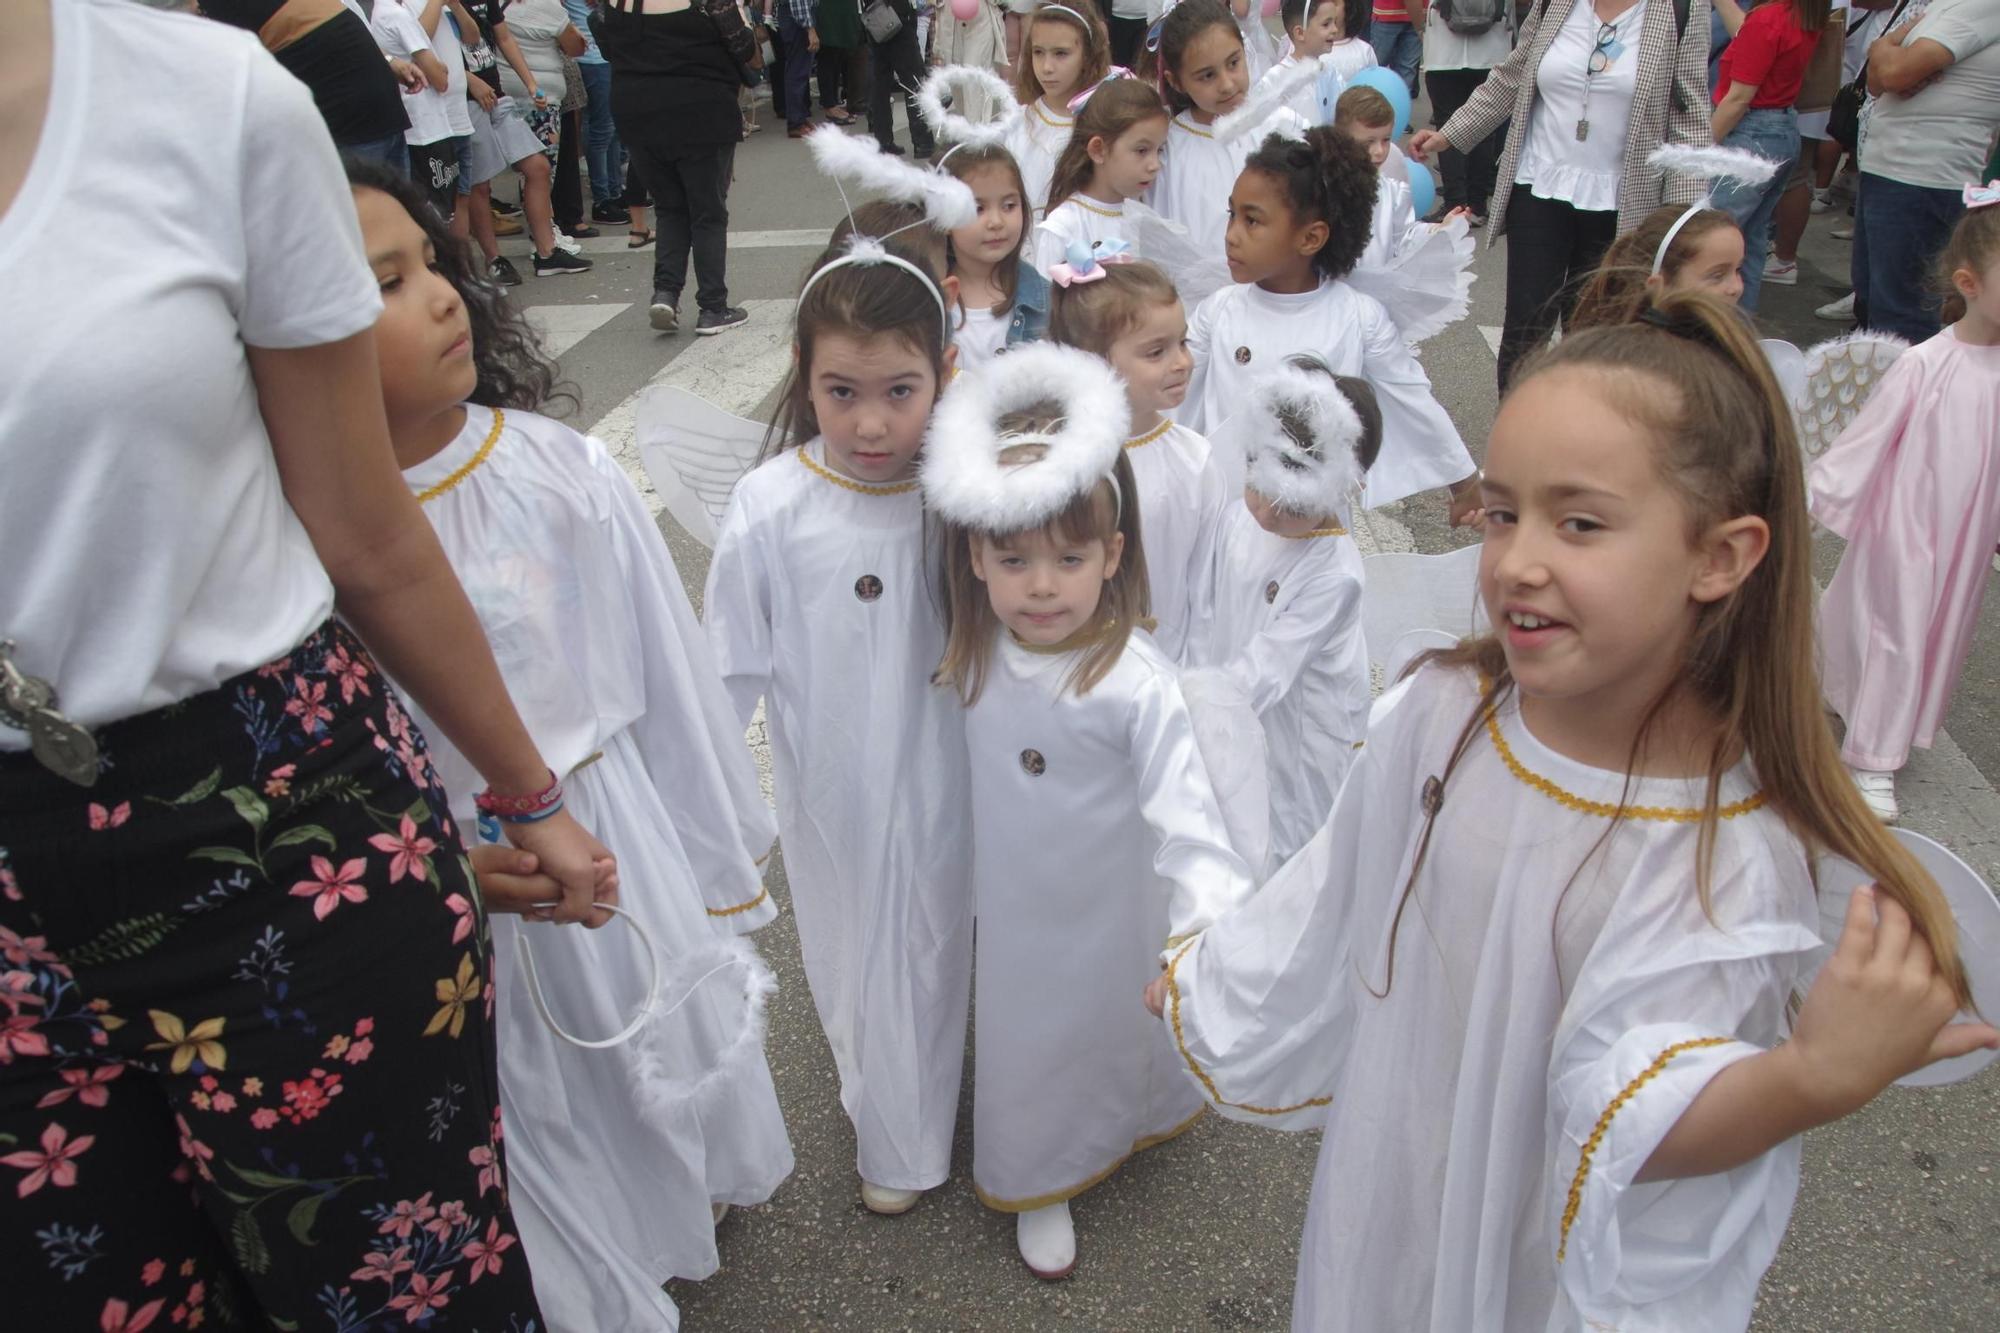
947 201
967 482
948 124
1319 480
1714 162
1267 99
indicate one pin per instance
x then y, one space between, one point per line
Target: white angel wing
1972 906
1788 363
1839 376
695 454
1428 286
1158 240
1403 591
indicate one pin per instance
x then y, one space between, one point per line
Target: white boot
1047 1239
888 1202
1879 790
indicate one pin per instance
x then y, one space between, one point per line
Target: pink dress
1913 484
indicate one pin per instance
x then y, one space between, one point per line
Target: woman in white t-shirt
1592 88
246 1057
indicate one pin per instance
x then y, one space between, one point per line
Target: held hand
509 880
1425 142
1462 211
1155 997
480 91
408 77
812 40
1878 1010
586 870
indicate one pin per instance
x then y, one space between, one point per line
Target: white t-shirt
1938 136
535 24
1555 164
1445 49
450 52
149 550
981 337
398 33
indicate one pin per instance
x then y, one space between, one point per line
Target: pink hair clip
1115 72
1084 264
1982 196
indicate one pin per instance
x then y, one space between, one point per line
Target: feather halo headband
949 81
979 478
1319 475
947 201
1719 165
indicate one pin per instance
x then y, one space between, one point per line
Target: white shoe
1777 273
1843 233
888 1202
1879 790
565 242
1822 200
1047 1239
1841 309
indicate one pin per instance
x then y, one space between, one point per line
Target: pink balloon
1271 8
964 10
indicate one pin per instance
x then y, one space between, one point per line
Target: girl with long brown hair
1111 159
1663 254
1534 976
1064 50
1096 835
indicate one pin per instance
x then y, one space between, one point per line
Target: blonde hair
1362 105
971 626
1096 48
1690 373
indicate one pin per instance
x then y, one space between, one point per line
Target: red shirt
1771 52
1391 11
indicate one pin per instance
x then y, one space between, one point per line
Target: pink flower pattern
407 850
332 887
54 1165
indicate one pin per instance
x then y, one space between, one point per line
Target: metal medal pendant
63 747
1582 130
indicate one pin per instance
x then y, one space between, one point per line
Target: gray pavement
1897 1225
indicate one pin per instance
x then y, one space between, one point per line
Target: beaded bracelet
522 809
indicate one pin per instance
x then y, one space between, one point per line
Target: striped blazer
1510 91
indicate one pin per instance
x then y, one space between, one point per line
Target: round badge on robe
1033 763
868 588
1242 356
1271 591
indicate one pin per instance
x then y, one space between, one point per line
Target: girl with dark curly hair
598 645
1299 218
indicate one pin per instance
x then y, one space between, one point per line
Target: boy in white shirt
432 137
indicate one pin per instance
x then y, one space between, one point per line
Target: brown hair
961 162
1811 15
1616 291
1160 63
1974 245
1109 114
1093 315
864 301
1362 105
1692 375
1094 515
1096 48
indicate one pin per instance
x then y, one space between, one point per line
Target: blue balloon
1423 190
1391 86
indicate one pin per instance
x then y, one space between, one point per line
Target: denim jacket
1030 320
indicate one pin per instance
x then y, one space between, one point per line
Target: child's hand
1460 212
510 879
1878 1010
1156 996
1465 510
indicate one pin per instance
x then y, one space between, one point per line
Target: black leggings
1468 175
1551 249
690 190
897 64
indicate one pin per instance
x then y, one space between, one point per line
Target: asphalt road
1898 1224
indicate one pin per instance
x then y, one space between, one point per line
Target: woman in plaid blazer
1592 88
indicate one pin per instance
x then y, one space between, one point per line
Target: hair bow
1084 263
1982 196
1115 72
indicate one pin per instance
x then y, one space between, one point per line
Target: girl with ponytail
1535 976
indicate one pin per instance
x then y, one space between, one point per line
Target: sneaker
557 263
887 1202
1047 1238
1822 200
506 226
720 321
564 243
506 209
610 214
1841 309
1477 220
504 273
1879 791
1843 233
665 313
1777 273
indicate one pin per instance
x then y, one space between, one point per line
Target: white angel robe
1200 172
1393 227
615 1155
1280 618
1182 496
1558 1000
1036 143
1096 840
817 604
1077 218
1349 56
1304 102
1242 330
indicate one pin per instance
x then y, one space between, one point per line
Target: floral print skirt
247 1069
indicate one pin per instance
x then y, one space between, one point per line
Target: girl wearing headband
1096 837
1673 249
602 654
817 605
1003 300
1110 161
1535 975
1063 52
1912 486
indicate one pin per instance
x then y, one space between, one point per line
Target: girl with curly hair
620 1158
1299 218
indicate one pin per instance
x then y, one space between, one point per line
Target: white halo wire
1660 255
1039 10
631 1029
895 261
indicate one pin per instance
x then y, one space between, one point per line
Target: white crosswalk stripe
562 327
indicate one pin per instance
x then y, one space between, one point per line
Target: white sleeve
1267 667
688 734
1201 329
736 609
1177 803
1661 1006
391 26
306 279
1421 448
1051 242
